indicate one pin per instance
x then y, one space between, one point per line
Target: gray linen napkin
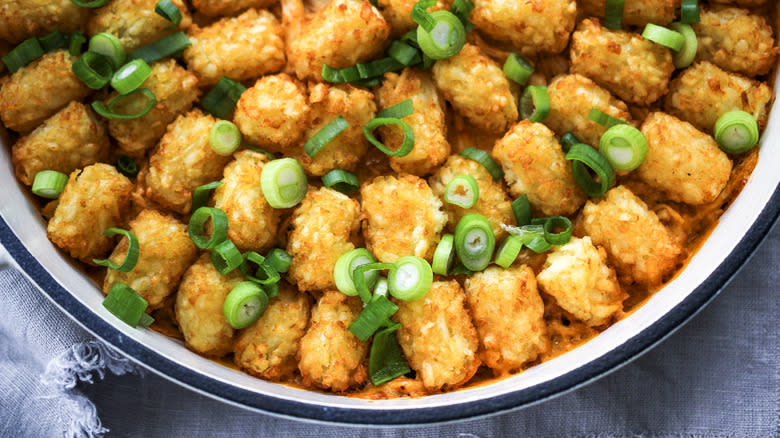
719 376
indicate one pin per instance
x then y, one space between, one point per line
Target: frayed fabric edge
80 363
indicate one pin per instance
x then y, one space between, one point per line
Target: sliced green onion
344 270
92 4
522 210
49 184
341 180
406 145
224 137
200 196
146 320
109 46
568 140
107 111
736 132
325 135
421 17
283 182
272 290
584 157
624 146
93 69
197 227
549 224
265 273
169 11
689 11
687 53
427 62
125 303
164 47
397 111
330 74
613 14
603 119
474 241
53 41
532 236
77 39
411 38
403 53
462 9
385 361
226 257
278 259
126 166
349 74
222 99
507 252
663 36
444 256
518 69
485 160
373 316
369 83
411 279
534 104
445 39
381 287
462 191
377 68
131 257
244 305
459 269
130 76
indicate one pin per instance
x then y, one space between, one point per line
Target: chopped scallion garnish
164 47
226 257
200 196
534 104
397 111
126 166
325 135
410 279
689 11
197 227
624 146
613 14
49 184
221 100
444 255
552 223
445 38
474 241
344 270
687 53
283 182
373 316
341 181
507 252
603 119
131 257
109 46
224 137
584 157
107 111
93 69
736 132
278 259
169 11
385 361
522 210
244 305
485 160
462 191
125 303
663 36
130 76
407 143
517 68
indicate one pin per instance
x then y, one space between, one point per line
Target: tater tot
428 123
38 90
330 356
21 19
578 277
477 88
175 89
736 40
493 202
404 217
268 347
340 35
323 227
166 252
438 338
704 92
398 13
273 113
633 68
571 99
242 47
509 315
682 161
253 222
198 308
636 241
635 12
742 3
534 164
135 22
346 149
183 161
530 25
69 140
95 199
213 8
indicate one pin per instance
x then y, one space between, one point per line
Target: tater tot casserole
383 198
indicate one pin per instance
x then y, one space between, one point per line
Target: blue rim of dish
638 344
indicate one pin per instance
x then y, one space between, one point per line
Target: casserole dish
739 231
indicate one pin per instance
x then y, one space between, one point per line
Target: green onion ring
341 181
131 257
200 196
49 184
444 255
518 69
125 303
244 305
108 111
534 104
410 279
385 361
226 257
550 223
736 132
406 146
462 191
126 166
283 182
507 252
397 111
197 225
624 146
474 241
373 316
583 157
522 210
325 135
485 160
